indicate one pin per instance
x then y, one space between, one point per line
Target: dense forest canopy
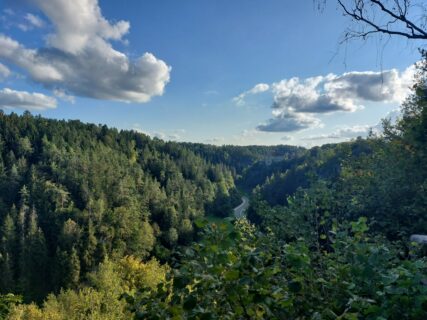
102 224
112 225
106 224
72 194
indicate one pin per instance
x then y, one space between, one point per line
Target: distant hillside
240 158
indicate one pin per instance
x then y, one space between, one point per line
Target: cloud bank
289 122
79 59
298 102
22 99
344 133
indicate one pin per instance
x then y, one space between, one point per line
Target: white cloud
39 70
25 100
137 127
173 135
345 133
308 96
80 59
289 122
347 92
351 132
61 94
25 22
297 102
77 23
259 88
386 86
34 20
4 71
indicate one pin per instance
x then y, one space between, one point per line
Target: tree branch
358 11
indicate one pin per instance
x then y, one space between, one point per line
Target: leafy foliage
327 237
245 274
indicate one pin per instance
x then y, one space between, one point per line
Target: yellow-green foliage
101 300
86 303
136 274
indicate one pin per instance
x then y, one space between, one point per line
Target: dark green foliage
383 178
73 193
325 267
240 158
228 275
245 274
282 179
81 205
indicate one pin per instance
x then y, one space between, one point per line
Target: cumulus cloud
298 102
289 122
25 100
387 86
346 92
259 88
307 96
79 57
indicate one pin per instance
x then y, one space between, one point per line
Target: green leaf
201 223
232 275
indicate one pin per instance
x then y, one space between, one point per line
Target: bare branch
396 20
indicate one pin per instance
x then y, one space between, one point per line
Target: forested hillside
240 158
150 223
330 239
112 224
72 194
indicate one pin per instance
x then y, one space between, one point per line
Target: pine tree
7 245
36 261
73 269
89 245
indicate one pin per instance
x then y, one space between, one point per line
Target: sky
221 72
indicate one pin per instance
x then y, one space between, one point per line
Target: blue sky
224 72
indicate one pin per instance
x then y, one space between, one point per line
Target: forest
106 224
98 223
